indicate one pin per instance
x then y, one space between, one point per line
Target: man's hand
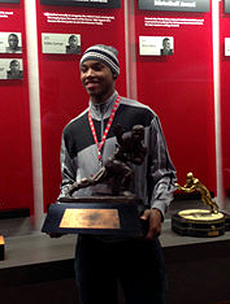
153 216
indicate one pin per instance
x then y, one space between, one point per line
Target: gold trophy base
227 221
199 223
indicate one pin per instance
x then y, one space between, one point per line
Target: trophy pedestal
227 221
2 248
117 216
199 223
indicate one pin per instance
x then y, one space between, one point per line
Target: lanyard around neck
110 121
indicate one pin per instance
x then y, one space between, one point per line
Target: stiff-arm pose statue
193 184
130 149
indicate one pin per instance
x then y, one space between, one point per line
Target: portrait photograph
11 68
53 43
156 46
167 46
10 42
74 45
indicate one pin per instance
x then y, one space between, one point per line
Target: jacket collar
99 111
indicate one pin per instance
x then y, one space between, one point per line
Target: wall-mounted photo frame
174 5
83 3
11 68
156 45
227 6
9 1
10 42
61 43
226 46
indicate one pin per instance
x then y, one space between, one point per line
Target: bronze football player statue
130 149
193 184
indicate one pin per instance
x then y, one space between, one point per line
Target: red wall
16 187
62 95
180 89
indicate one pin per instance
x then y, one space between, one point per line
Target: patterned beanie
105 54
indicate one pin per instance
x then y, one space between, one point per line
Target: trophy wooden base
95 215
2 248
199 223
227 221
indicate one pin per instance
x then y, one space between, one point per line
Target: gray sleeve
68 169
162 170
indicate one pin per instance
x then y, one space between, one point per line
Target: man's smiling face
13 41
98 80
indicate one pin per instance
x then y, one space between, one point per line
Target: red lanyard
110 121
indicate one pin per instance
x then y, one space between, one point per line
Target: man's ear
114 76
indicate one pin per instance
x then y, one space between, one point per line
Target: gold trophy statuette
199 222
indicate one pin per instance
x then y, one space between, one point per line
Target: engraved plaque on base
2 247
199 223
95 215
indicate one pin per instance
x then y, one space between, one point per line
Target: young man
166 47
13 42
88 141
73 47
14 70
